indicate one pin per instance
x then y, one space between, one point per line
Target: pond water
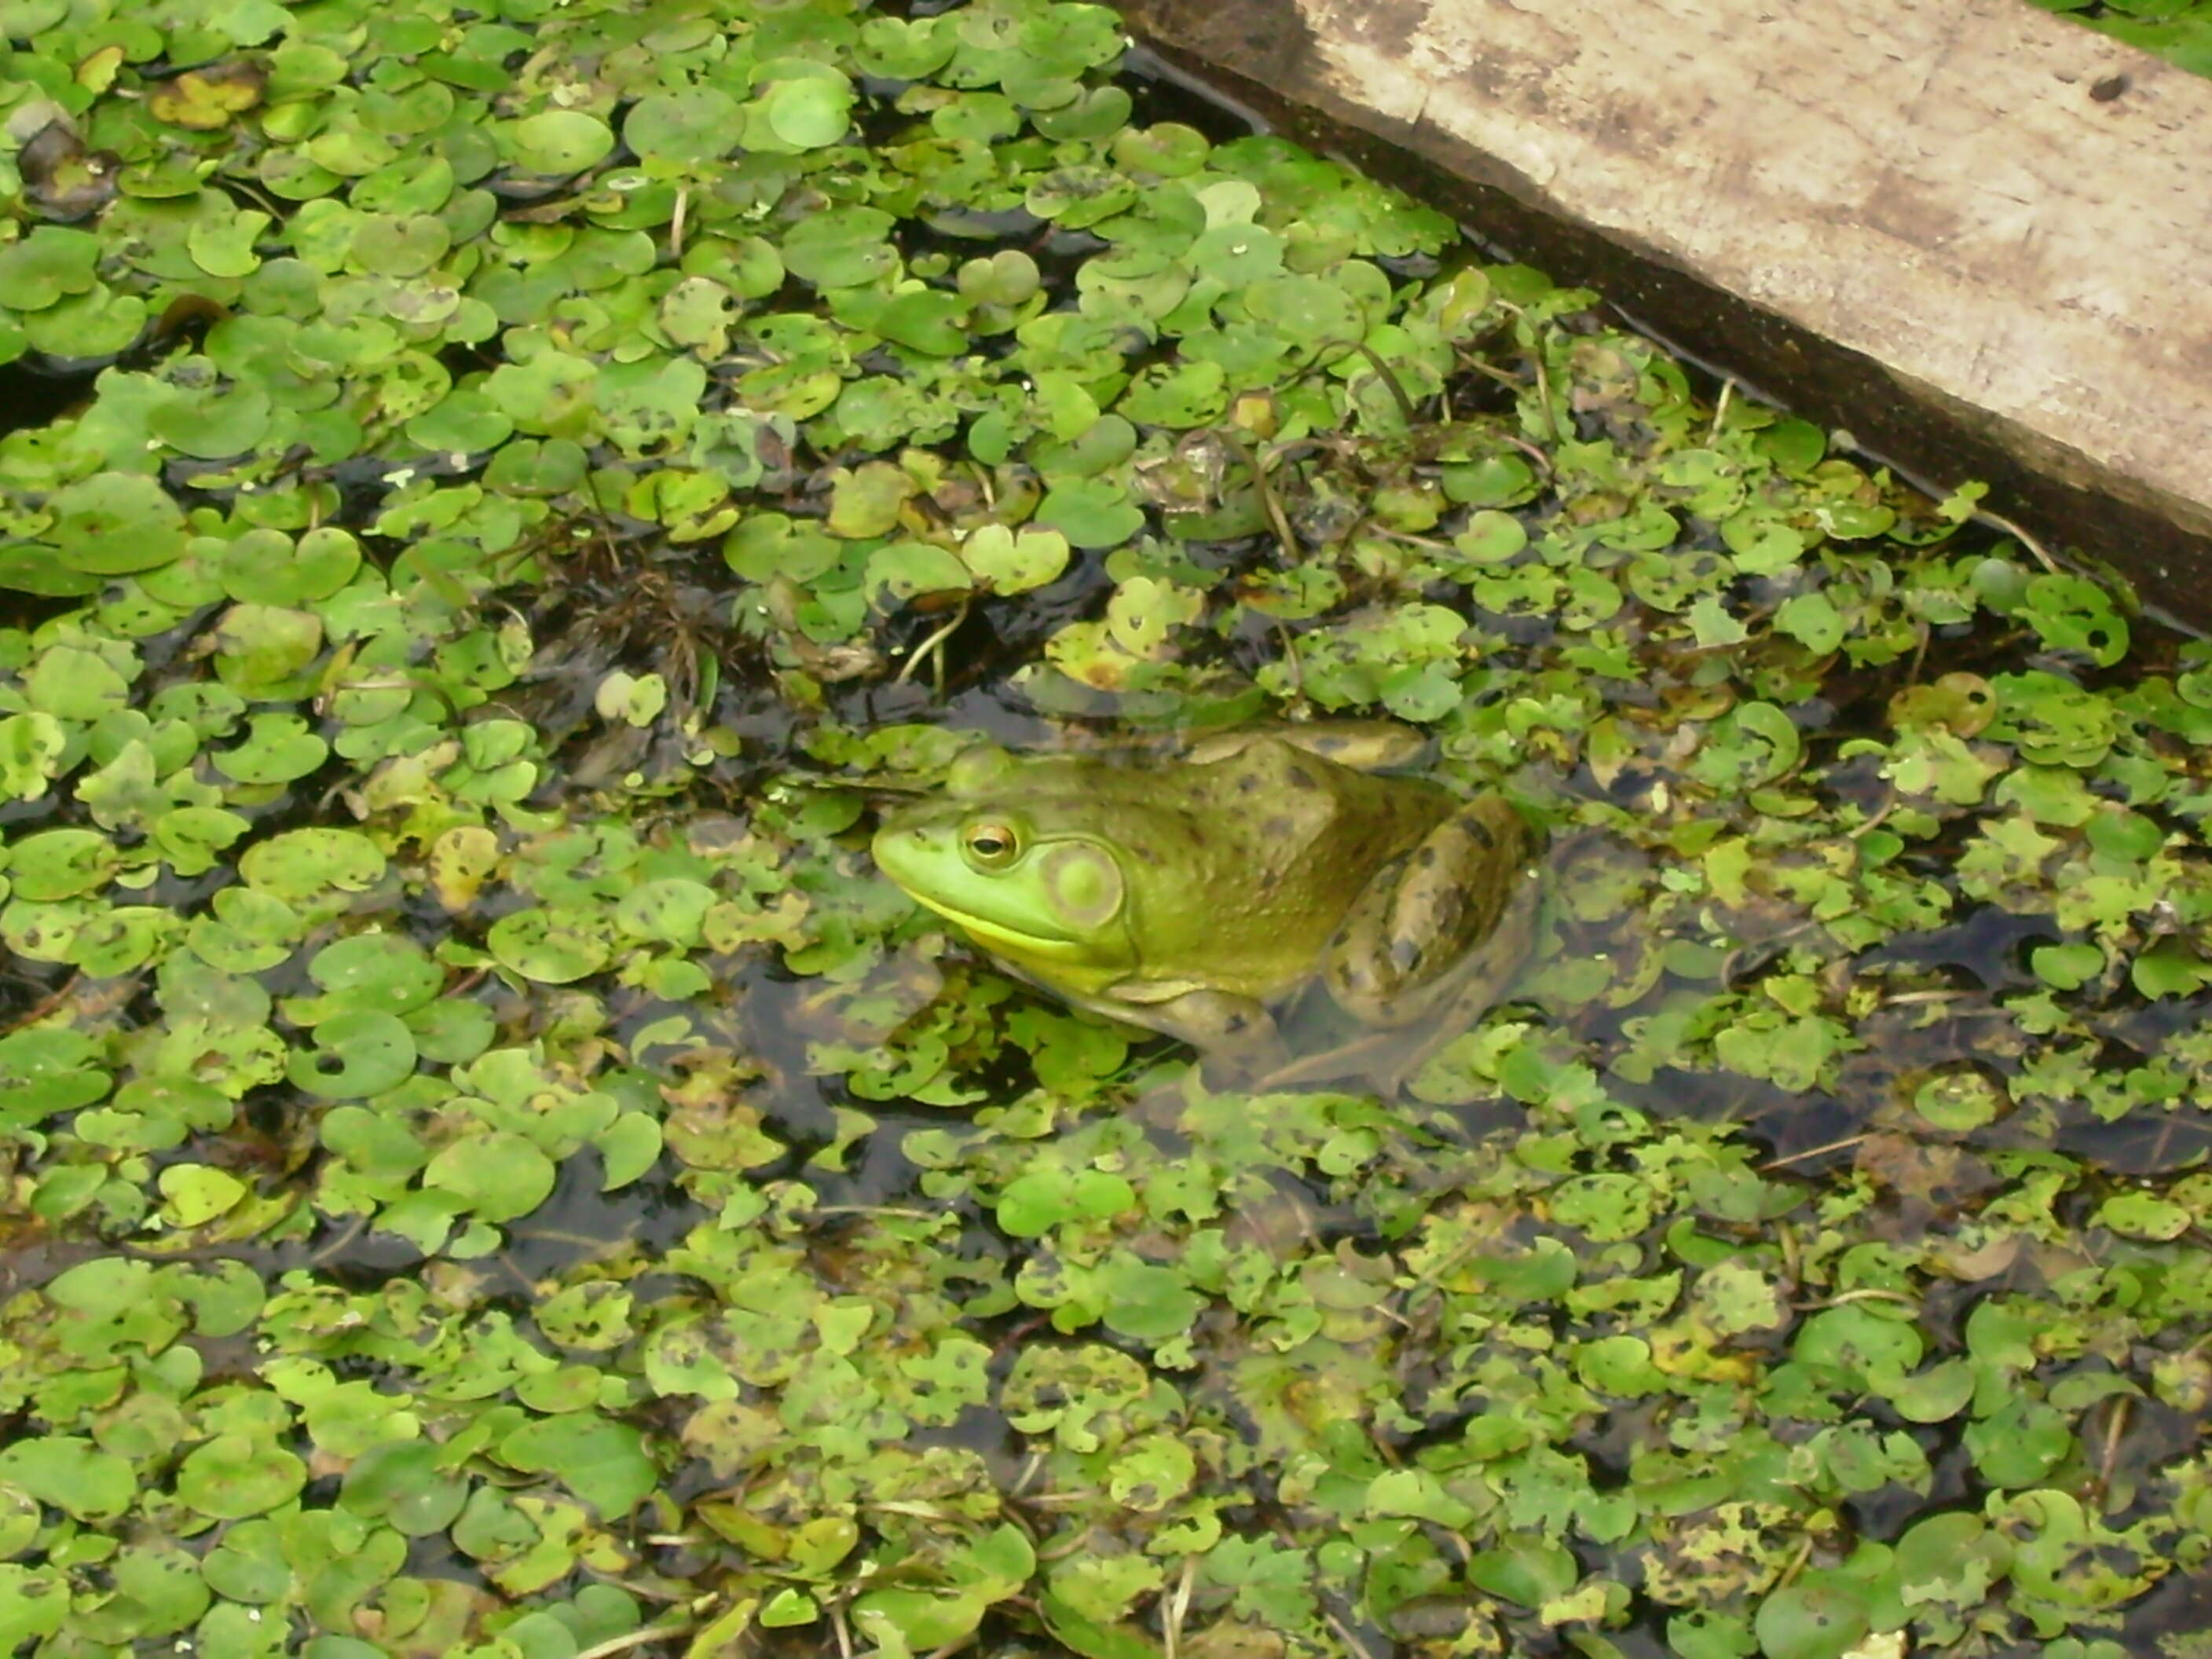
494 1168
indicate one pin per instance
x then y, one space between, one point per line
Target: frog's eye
991 843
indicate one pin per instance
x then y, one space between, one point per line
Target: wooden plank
1977 236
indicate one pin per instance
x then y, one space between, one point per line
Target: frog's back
1256 858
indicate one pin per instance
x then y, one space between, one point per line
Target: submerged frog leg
1446 1009
1433 941
1404 944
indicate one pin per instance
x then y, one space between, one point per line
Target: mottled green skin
1188 896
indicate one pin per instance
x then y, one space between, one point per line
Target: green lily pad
70 1472
277 749
496 1176
235 1475
46 265
1014 561
560 140
538 946
1004 278
1091 513
841 247
903 49
603 1464
356 1054
923 320
1814 1621
810 114
112 524
683 127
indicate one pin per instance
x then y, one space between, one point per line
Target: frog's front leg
1447 924
1236 1035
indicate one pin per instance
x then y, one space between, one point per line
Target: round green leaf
497 1176
812 113
684 127
359 1052
536 945
557 141
114 523
235 1475
1091 513
1811 1620
841 247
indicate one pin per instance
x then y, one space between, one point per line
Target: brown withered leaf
66 180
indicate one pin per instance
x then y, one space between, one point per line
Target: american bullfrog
1198 896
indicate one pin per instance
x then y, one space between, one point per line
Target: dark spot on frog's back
1277 828
1301 779
1426 858
1235 1023
1481 832
1247 783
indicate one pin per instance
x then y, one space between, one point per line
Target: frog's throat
999 936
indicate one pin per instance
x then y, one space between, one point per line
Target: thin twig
2111 1452
1179 1605
637 1638
1268 504
1919 653
1797 1564
346 1234
1872 1293
1888 805
1983 515
40 1009
1813 1151
1391 379
1543 461
1386 533
1543 375
1292 662
1720 410
915 658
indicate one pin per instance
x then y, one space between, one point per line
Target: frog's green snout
893 847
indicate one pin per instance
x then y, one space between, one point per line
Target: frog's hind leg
1434 940
1428 927
1390 1054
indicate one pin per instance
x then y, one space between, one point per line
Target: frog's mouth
1000 935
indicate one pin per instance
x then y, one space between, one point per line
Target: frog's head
1036 878
1038 891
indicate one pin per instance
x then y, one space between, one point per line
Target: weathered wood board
1976 236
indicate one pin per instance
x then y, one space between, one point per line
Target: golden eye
992 845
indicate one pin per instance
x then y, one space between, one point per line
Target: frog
1204 895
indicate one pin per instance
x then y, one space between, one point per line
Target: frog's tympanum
1199 897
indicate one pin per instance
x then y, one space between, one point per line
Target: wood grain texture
1979 236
